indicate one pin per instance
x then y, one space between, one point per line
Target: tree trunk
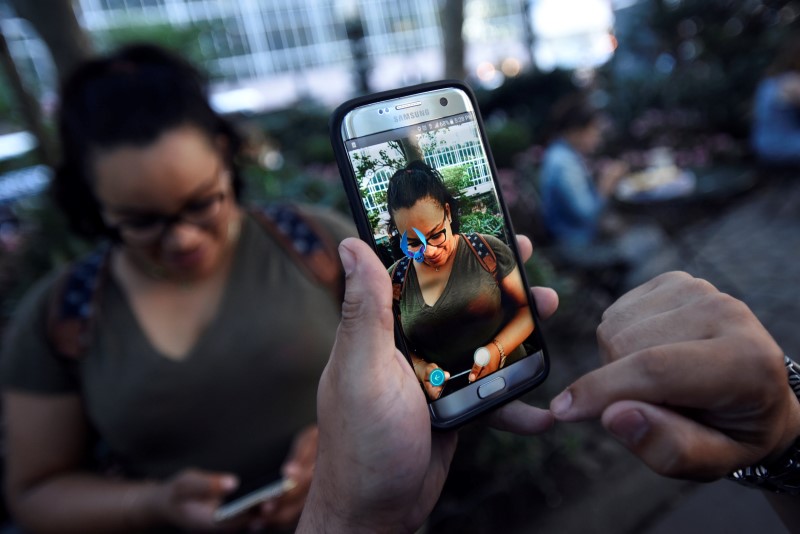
29 106
452 19
411 150
57 25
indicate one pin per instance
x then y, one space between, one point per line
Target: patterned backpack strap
398 276
74 304
483 252
309 246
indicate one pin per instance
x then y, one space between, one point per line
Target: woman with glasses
207 340
450 304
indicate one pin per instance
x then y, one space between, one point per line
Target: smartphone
245 499
424 194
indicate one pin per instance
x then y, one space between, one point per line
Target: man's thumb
367 306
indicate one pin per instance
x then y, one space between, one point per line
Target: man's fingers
525 247
520 418
681 374
662 329
367 326
662 294
546 301
673 445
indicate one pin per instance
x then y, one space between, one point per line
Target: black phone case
365 232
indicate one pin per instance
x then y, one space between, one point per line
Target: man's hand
693 383
380 468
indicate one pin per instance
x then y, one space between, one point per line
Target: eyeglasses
149 228
435 240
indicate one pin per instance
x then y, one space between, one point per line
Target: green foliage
47 245
507 139
690 67
9 112
300 132
525 101
482 223
456 179
183 40
390 158
314 184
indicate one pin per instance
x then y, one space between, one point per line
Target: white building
265 54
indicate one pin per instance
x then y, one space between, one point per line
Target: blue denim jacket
776 128
571 204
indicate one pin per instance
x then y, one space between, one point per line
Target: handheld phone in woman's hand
424 194
245 500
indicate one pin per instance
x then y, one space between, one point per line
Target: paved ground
750 249
752 252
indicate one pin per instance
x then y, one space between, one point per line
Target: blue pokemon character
419 255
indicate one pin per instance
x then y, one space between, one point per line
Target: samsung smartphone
424 193
245 499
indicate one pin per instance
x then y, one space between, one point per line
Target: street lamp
350 14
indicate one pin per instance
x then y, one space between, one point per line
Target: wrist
780 471
143 505
501 351
324 512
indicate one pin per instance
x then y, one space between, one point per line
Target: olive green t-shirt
469 313
233 404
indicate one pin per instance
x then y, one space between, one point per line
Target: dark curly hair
416 181
787 57
572 112
130 97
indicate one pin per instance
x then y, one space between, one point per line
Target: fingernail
229 483
291 470
629 427
562 403
348 259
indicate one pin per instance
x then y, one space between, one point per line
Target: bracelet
783 474
501 351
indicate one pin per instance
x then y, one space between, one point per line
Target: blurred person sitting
775 137
188 347
575 202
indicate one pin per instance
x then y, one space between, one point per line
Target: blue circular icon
436 378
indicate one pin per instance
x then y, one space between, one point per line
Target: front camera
443 101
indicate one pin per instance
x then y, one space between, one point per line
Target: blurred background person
776 116
584 231
206 338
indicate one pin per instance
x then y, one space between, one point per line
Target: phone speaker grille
408 105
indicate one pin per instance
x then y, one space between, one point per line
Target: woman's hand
188 500
433 391
479 371
299 467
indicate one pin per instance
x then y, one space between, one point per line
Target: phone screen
430 202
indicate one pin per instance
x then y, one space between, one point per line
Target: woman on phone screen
460 296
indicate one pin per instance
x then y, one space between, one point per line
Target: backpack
75 301
477 245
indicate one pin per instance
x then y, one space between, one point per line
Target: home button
490 388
